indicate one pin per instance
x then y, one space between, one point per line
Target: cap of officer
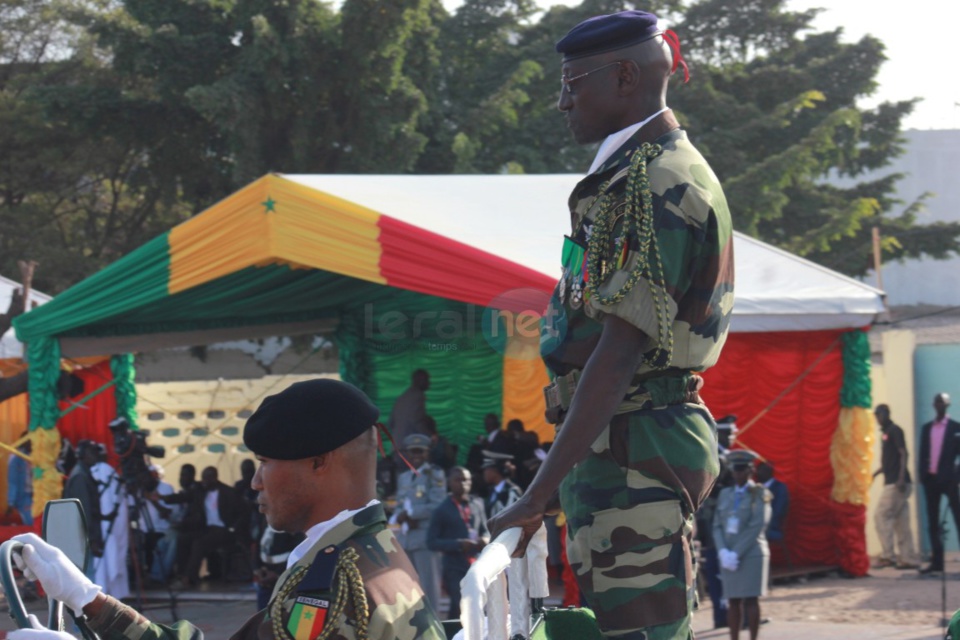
308 419
727 423
740 458
416 441
494 459
600 34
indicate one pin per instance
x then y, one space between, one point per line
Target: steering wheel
17 609
64 526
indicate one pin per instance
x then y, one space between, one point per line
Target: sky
922 46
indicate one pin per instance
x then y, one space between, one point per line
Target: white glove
61 579
728 559
38 632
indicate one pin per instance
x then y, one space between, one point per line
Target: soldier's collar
320 536
650 132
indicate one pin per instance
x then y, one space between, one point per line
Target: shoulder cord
638 216
349 583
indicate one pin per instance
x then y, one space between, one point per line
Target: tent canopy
521 218
282 255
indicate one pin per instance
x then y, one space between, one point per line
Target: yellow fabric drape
851 455
276 221
319 231
14 418
232 235
47 481
524 377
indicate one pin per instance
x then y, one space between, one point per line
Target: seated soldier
316 443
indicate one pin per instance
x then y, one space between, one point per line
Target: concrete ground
219 610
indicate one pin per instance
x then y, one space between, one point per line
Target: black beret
309 418
608 33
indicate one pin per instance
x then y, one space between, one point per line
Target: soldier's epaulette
762 491
320 574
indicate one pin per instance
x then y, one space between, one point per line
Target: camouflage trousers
630 510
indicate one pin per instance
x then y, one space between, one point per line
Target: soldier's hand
61 579
525 513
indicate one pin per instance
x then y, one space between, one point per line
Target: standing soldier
739 533
418 495
317 447
643 304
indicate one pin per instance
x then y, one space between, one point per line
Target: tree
120 118
774 108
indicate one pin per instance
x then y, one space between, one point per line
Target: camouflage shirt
692 230
308 593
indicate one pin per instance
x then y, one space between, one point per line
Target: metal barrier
486 612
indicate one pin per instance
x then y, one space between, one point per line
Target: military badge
307 617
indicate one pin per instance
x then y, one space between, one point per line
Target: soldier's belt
656 388
559 393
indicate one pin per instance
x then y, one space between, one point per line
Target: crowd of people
356 549
441 509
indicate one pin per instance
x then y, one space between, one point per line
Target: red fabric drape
850 523
89 422
795 435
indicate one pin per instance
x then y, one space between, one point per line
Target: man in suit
780 502
225 518
458 529
939 449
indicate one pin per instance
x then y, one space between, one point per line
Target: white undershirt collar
320 529
616 140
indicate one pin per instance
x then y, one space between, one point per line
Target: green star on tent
269 205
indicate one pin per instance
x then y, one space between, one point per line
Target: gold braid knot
638 218
349 585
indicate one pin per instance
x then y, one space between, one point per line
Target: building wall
201 421
893 385
929 164
937 369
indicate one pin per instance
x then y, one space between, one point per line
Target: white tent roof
10 347
523 218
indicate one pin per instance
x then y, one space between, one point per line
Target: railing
486 613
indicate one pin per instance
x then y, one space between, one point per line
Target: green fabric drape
43 354
856 390
381 344
139 277
124 390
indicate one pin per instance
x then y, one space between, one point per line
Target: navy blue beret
608 33
309 418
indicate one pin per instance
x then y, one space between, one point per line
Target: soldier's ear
318 462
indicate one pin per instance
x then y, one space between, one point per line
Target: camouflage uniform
630 503
308 593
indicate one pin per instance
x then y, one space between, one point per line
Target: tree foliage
119 118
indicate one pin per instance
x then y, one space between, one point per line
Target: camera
131 446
